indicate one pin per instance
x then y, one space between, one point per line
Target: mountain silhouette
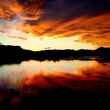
15 54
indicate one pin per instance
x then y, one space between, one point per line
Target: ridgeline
15 54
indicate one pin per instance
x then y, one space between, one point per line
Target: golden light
36 43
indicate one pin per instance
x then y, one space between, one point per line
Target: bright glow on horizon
35 43
58 43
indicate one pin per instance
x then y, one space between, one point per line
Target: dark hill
15 54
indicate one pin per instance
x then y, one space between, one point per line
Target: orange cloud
11 8
32 17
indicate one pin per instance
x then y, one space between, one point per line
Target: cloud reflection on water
38 73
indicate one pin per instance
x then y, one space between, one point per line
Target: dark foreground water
33 82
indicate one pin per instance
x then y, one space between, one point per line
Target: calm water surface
13 75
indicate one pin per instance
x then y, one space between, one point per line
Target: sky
55 24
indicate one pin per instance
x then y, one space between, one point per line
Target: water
36 72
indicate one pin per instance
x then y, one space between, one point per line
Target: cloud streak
59 18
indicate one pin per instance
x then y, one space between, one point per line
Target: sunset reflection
31 72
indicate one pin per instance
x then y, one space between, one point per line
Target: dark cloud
75 8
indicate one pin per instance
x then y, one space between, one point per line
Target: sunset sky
55 24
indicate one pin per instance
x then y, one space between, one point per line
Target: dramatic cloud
88 19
